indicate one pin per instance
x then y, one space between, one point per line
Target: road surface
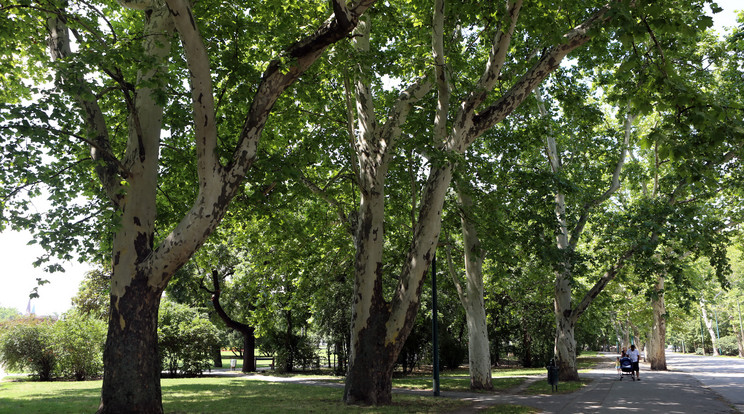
724 375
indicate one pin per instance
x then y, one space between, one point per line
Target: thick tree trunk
370 375
249 350
131 378
217 357
656 354
565 342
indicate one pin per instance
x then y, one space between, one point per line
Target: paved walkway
667 392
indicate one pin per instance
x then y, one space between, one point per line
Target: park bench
263 358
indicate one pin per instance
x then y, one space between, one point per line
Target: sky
18 276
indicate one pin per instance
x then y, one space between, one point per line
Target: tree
125 155
380 326
92 298
471 297
247 331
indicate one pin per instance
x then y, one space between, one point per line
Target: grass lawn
452 383
542 387
212 395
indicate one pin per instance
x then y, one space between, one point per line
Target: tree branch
549 61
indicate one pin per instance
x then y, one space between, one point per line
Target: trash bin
233 364
552 375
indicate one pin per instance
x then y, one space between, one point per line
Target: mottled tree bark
656 353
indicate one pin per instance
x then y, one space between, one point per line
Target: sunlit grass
510 409
542 387
212 395
452 383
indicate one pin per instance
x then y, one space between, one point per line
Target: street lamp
434 326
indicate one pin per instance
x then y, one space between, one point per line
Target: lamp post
741 327
718 333
434 326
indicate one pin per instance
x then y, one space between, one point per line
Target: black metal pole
434 324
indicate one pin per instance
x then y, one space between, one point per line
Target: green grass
452 383
510 409
542 387
213 395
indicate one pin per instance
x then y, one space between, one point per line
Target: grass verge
212 395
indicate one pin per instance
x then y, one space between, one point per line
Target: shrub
185 339
728 345
452 352
79 342
27 345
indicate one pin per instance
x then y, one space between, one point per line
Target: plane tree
118 75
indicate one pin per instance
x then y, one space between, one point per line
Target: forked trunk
131 379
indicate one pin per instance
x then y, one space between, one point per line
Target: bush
79 342
186 338
728 345
452 352
27 345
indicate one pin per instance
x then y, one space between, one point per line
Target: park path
723 375
667 392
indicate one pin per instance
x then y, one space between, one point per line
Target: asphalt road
723 375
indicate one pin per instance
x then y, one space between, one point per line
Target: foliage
728 345
453 351
28 344
291 349
186 338
71 347
8 313
92 297
79 341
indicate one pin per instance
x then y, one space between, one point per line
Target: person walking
635 358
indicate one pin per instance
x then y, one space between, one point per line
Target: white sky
18 276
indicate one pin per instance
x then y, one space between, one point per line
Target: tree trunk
249 350
479 352
656 354
131 378
370 376
709 326
217 356
565 342
248 331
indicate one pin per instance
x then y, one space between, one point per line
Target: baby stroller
626 368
